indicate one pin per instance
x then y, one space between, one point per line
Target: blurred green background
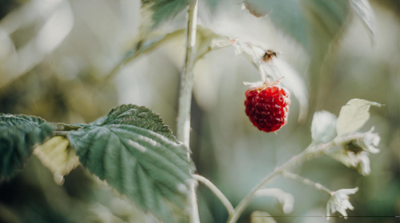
55 57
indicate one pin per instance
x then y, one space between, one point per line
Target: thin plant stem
310 152
306 181
185 100
260 70
217 193
61 133
65 127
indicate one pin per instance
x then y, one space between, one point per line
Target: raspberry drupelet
267 106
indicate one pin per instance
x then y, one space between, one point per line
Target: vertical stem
185 99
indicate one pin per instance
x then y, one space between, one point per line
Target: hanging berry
267 106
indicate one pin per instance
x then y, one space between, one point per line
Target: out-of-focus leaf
18 135
255 10
286 14
323 126
36 49
164 9
144 44
285 199
353 115
364 11
149 168
58 156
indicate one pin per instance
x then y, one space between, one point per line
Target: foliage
134 158
131 149
134 152
18 135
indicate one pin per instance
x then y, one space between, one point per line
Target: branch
185 99
310 152
306 181
217 193
209 50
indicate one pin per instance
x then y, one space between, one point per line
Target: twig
306 181
209 50
310 152
217 193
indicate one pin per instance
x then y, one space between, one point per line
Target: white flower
323 127
354 150
339 202
369 142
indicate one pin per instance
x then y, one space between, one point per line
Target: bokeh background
55 60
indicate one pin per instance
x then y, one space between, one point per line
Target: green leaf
18 135
302 19
137 154
8 120
164 9
353 115
139 116
58 156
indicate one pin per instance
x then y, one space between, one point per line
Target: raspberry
267 106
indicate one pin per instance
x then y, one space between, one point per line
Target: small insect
268 55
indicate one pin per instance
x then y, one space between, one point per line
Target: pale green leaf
323 126
58 156
364 11
353 115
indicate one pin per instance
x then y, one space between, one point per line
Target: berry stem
217 193
258 64
185 100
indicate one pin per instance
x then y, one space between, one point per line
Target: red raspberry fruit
267 106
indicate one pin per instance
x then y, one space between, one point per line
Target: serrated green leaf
58 156
8 120
139 116
18 135
147 167
353 115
